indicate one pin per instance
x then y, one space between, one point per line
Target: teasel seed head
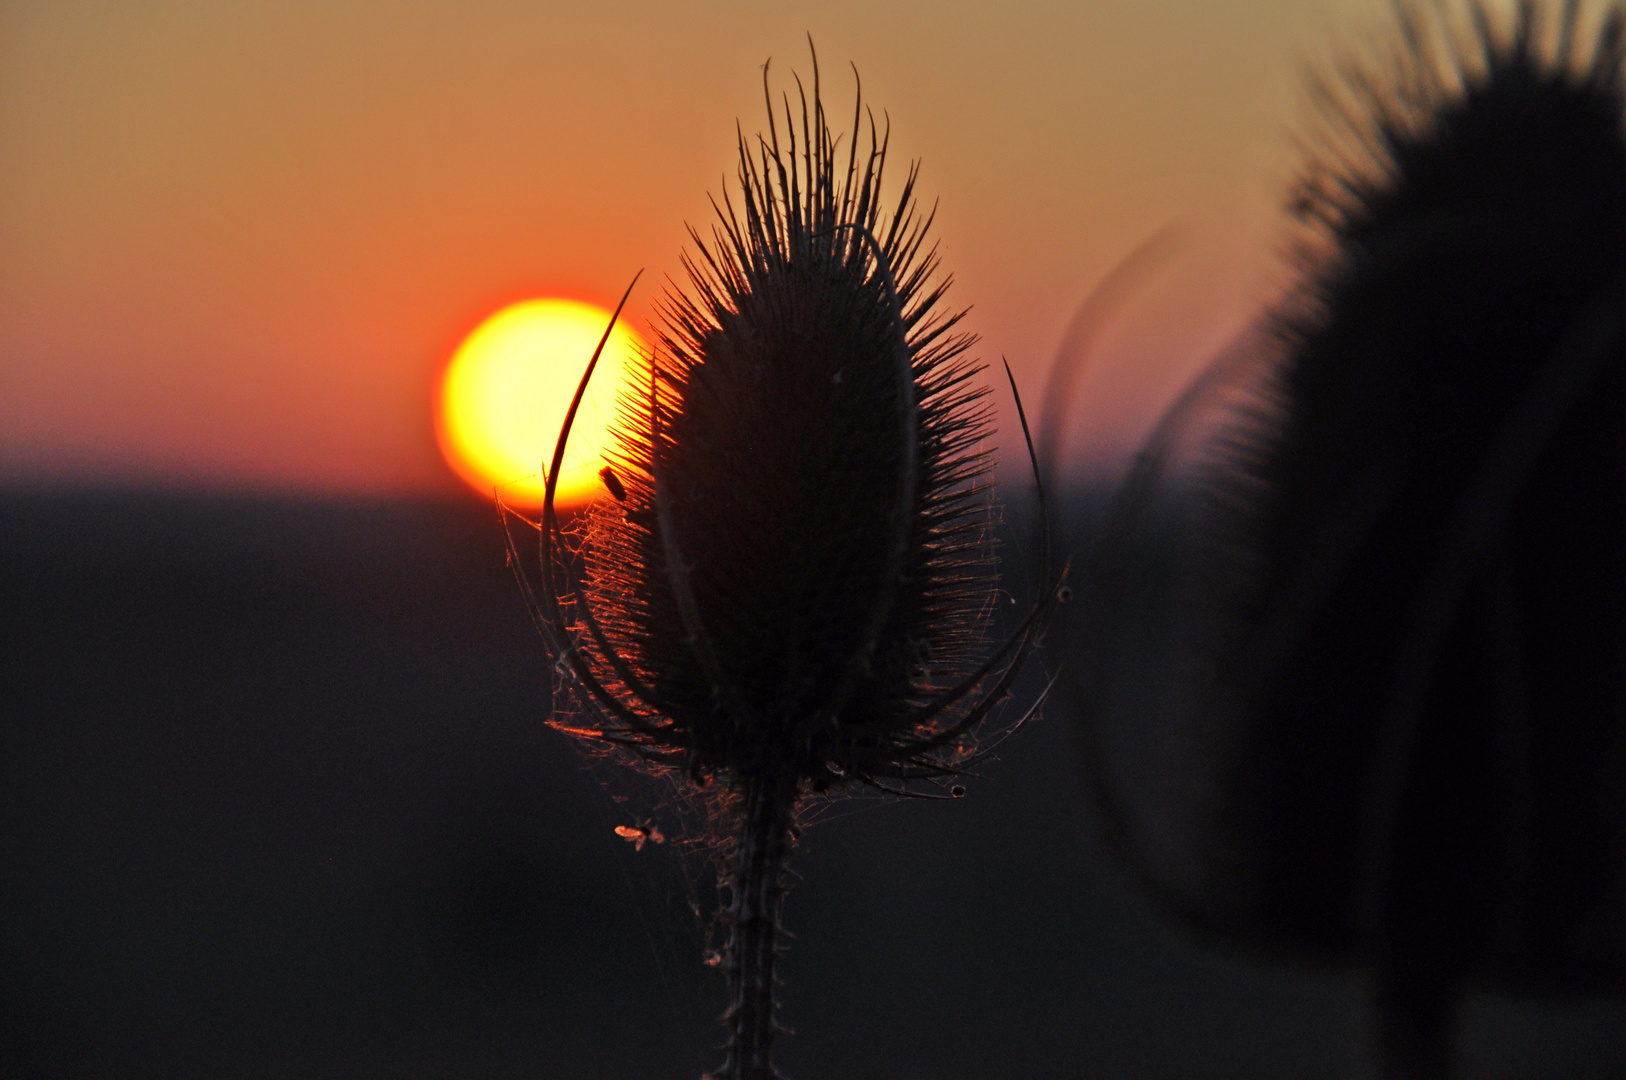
1444 509
1403 616
797 574
793 587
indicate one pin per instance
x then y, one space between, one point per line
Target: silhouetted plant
1399 665
791 587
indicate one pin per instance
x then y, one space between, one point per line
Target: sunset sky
238 239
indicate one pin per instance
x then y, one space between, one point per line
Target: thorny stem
766 803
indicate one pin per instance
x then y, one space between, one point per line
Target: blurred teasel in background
791 586
1351 662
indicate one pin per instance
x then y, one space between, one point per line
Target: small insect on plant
639 835
1394 720
792 587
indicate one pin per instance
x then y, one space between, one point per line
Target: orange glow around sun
504 394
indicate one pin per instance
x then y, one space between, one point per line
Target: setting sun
505 391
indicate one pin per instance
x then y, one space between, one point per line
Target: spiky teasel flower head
1466 199
797 573
1438 534
1402 717
792 586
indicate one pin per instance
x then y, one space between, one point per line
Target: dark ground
277 800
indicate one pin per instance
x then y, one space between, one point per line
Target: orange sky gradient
238 239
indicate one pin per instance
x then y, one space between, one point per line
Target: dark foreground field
277 800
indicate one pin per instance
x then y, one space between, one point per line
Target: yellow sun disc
505 391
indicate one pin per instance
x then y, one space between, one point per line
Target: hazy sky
236 239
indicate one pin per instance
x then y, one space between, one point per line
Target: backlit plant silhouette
1398 715
790 588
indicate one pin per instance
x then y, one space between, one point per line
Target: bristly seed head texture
796 578
1396 733
1442 504
1399 719
793 584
